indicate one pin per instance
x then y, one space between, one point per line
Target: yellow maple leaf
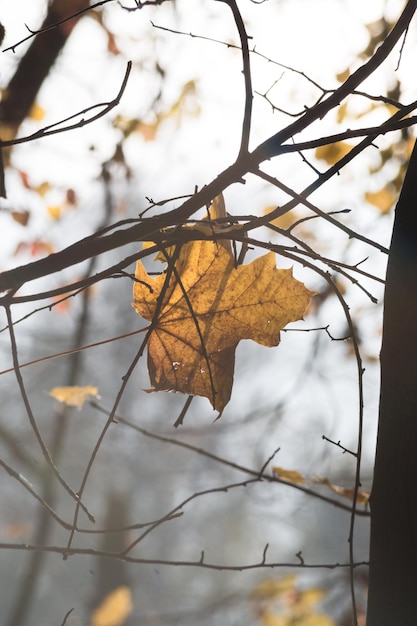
208 306
73 396
114 609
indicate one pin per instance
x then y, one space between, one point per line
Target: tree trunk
36 63
393 554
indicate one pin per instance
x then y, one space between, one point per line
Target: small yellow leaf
54 212
333 152
73 396
342 112
292 476
37 113
43 188
115 608
309 597
342 76
268 618
384 199
283 221
315 619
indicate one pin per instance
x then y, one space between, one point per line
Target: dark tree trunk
36 63
393 555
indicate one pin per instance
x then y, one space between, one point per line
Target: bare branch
47 131
244 145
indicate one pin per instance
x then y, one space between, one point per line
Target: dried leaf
71 196
148 131
115 608
21 217
34 248
208 306
362 496
24 177
73 396
112 46
291 476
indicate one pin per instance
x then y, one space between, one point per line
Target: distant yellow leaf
342 112
274 587
268 618
333 152
115 608
54 212
309 597
279 602
43 188
342 76
292 476
283 221
384 199
208 306
37 113
314 619
73 396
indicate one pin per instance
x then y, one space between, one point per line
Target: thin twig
51 129
63 550
32 419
